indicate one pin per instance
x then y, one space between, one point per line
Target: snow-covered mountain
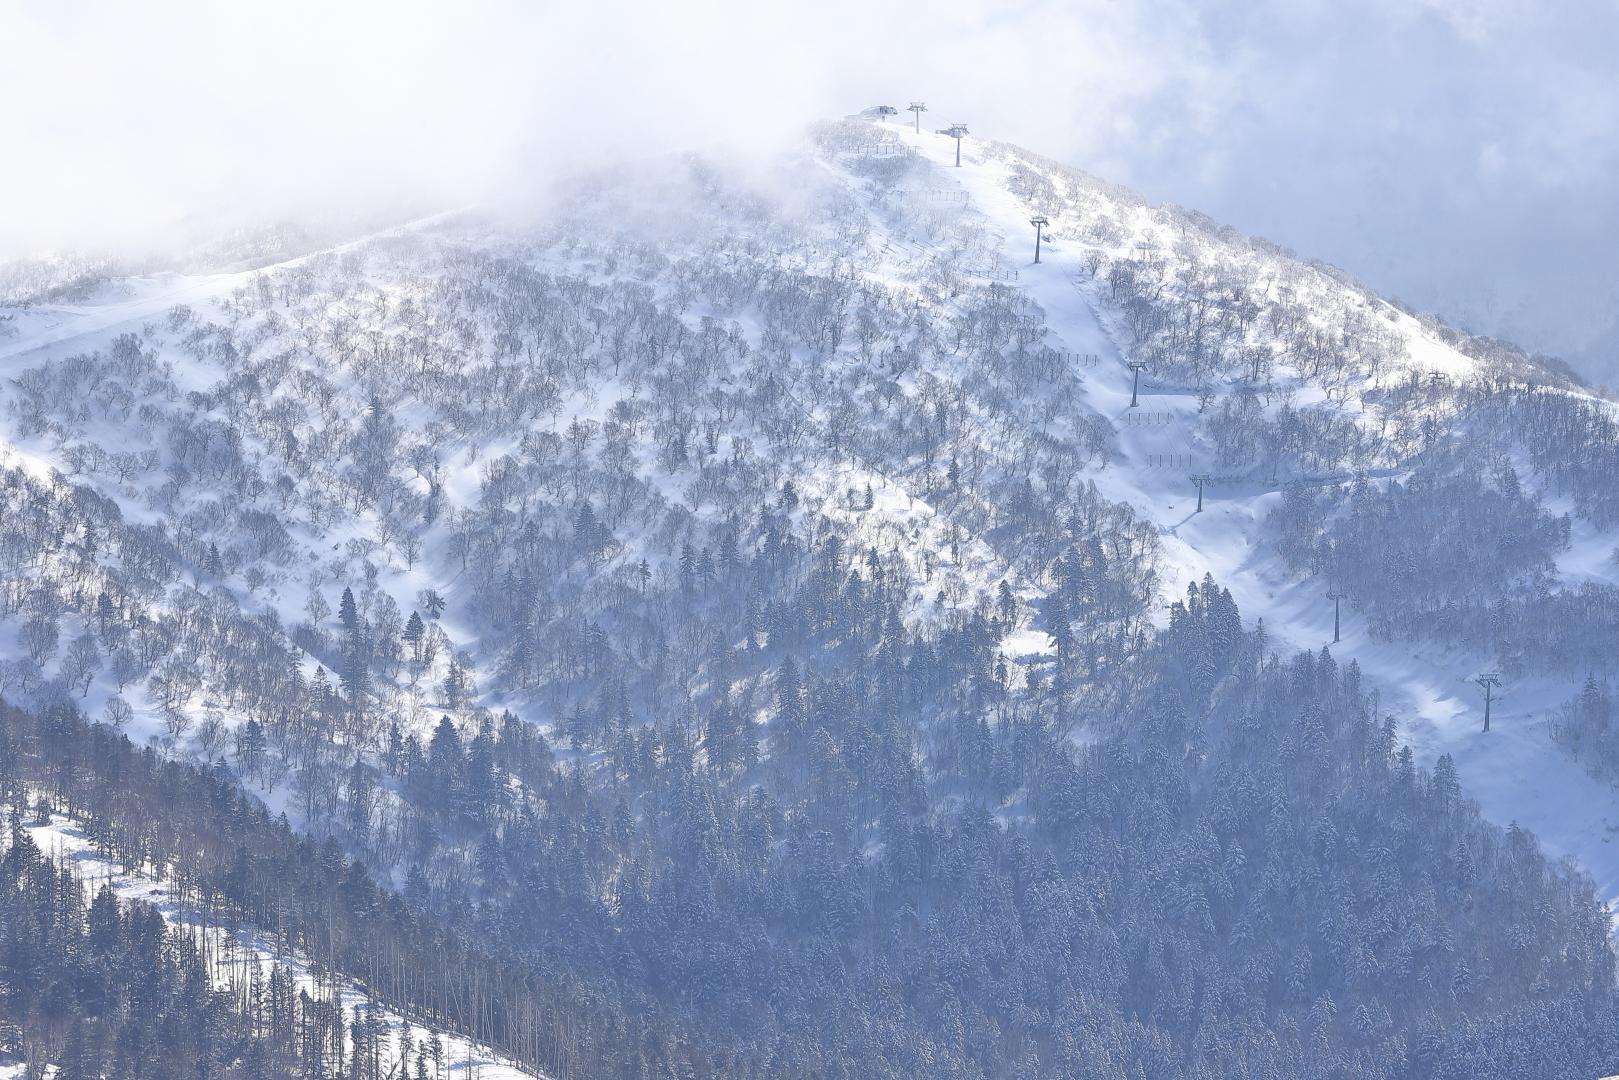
780 526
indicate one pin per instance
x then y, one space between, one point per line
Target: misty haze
723 541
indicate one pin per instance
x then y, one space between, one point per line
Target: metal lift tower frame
1489 681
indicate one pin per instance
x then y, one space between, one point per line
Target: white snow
1515 772
239 953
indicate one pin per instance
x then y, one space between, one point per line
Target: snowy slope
1515 771
236 956
52 332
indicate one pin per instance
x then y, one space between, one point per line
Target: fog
1458 154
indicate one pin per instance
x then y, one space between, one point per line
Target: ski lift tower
1039 222
1136 367
956 132
918 107
1488 682
1200 479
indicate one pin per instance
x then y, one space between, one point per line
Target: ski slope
1515 772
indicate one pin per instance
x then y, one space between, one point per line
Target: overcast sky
1459 154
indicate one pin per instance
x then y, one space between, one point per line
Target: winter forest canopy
741 625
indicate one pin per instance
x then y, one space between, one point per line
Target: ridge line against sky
1459 155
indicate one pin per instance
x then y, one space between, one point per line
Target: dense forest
1249 870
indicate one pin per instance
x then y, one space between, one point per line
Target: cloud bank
1459 153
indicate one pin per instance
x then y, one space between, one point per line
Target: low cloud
1460 153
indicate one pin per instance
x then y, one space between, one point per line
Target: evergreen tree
347 613
414 632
